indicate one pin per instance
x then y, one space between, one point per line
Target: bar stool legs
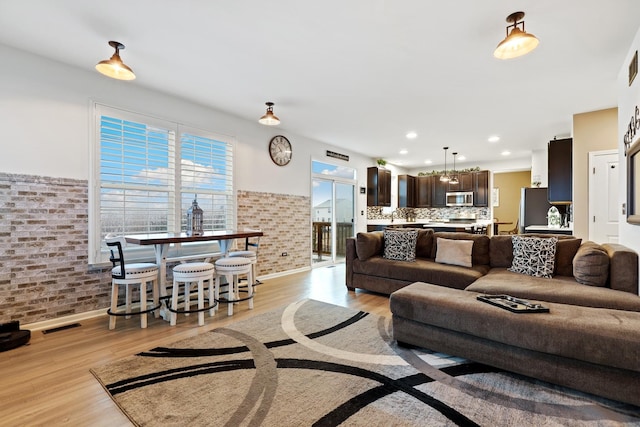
189 274
231 268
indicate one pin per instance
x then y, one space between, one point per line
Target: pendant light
114 67
269 119
454 175
518 42
445 177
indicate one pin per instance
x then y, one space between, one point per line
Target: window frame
98 252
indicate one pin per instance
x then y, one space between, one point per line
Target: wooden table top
164 238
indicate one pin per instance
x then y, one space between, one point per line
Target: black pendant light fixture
453 179
269 119
518 42
445 177
114 67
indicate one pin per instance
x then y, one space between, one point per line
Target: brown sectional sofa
590 340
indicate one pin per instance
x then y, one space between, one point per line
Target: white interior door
603 196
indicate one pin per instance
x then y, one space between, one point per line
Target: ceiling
357 74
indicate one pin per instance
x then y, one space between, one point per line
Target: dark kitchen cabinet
378 187
481 189
406 191
465 182
560 171
439 195
424 189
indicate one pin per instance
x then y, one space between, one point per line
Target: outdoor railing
321 239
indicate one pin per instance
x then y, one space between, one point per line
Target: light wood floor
48 381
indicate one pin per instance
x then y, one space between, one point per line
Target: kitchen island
455 226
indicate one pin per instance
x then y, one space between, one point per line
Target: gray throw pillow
534 256
400 245
591 265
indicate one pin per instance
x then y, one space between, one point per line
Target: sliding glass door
333 212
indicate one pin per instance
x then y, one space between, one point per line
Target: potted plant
381 162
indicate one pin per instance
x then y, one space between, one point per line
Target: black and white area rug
317 364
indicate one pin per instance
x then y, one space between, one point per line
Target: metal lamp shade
195 220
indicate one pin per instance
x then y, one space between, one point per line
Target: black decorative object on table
515 305
195 219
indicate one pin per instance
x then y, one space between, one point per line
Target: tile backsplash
433 214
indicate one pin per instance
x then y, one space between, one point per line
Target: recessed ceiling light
428 162
494 138
506 153
412 135
462 158
404 151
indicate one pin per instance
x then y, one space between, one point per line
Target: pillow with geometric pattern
400 245
534 256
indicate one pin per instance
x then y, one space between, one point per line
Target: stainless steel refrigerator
534 206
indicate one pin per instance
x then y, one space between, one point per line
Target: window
147 174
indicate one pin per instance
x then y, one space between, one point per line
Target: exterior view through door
332 211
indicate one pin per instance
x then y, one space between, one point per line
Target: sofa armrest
350 256
623 267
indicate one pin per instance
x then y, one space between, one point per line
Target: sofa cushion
369 244
400 244
480 252
424 245
534 256
454 252
421 270
560 289
501 251
566 249
591 265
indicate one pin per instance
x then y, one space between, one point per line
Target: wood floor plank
48 381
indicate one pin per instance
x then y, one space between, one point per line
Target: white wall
628 98
45 120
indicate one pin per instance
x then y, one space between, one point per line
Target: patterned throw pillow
534 256
400 244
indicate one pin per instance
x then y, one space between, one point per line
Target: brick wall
43 245
286 223
43 260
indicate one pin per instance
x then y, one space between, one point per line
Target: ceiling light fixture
114 67
494 138
518 42
444 177
454 176
269 118
412 135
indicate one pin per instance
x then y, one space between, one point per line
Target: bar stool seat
130 275
192 273
231 268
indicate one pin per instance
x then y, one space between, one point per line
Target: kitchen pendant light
454 175
114 67
445 177
518 42
269 119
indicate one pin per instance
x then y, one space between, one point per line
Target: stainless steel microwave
460 198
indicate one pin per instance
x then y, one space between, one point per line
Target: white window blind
148 173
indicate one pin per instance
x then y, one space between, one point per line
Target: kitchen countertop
546 228
426 223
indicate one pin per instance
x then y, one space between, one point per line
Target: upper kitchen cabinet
560 171
481 188
465 182
439 194
424 190
378 187
406 191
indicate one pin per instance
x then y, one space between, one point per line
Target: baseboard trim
284 273
61 321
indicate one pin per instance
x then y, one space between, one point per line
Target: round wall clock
280 150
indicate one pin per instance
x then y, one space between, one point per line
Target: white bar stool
189 274
130 275
231 268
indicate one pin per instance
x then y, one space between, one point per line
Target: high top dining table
162 241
